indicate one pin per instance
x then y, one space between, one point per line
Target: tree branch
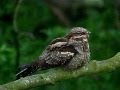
58 75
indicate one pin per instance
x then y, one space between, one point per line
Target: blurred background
27 27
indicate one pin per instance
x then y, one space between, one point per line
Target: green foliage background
38 26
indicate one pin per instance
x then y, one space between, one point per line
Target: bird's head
77 34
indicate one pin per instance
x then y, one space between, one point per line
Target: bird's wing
78 45
58 53
60 57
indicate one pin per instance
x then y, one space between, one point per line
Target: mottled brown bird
70 52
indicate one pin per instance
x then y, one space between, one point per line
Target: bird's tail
28 69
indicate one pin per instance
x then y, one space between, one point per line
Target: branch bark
51 77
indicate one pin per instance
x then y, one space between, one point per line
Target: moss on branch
60 74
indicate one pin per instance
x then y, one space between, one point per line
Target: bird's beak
88 32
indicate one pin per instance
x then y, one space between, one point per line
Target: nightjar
71 52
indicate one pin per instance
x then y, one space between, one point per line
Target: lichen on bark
52 77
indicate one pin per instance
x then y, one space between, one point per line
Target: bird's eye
82 33
77 38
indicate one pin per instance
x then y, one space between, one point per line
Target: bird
70 52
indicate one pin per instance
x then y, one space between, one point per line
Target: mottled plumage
78 37
70 52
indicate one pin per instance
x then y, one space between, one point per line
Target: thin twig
15 34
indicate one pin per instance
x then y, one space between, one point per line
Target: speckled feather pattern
70 52
80 43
